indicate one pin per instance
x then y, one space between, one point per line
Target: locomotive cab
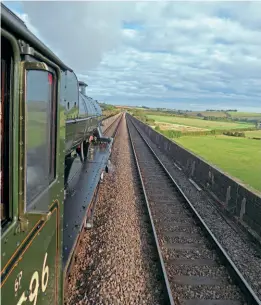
6 69
44 119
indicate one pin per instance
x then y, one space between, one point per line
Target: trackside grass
238 157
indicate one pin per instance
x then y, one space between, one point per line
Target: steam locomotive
46 119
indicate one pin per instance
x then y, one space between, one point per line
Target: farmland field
237 157
209 125
173 126
244 114
219 114
254 133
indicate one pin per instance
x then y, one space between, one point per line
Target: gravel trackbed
115 264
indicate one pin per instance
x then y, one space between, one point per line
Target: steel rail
110 126
168 294
237 276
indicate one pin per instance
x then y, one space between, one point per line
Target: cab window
5 134
40 130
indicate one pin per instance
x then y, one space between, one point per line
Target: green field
210 125
238 157
244 114
233 114
254 133
218 114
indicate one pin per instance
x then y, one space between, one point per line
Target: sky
179 55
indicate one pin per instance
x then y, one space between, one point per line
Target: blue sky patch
224 13
15 6
133 26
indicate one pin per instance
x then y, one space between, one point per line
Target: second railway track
113 127
197 269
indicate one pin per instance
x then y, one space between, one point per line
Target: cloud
80 32
180 55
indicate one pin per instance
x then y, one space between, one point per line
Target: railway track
117 262
197 270
113 127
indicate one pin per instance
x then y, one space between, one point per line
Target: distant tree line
235 134
139 114
108 110
218 110
142 115
107 106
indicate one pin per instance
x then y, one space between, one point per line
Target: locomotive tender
45 117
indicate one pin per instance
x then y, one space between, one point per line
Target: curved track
197 270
